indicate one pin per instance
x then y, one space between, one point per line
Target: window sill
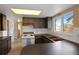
65 33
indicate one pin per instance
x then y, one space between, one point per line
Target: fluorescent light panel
26 12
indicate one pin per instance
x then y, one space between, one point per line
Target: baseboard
71 41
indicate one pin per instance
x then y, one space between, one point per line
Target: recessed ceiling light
26 11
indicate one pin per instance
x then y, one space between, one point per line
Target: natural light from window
64 23
58 24
68 22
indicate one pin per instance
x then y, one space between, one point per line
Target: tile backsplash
35 30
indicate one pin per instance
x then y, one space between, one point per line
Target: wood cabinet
2 22
38 39
5 45
41 39
47 38
36 22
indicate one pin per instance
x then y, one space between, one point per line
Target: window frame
56 24
62 21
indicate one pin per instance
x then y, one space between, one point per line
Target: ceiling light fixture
26 11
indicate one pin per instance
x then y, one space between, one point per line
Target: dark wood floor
56 48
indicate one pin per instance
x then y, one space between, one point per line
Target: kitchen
32 27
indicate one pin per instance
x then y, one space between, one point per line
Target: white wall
11 19
12 31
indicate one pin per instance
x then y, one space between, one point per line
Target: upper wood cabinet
2 22
36 22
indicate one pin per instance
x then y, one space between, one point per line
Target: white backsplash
28 28
35 30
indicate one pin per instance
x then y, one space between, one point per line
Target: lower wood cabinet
38 39
41 39
5 45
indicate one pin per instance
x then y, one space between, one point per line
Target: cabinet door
38 39
4 46
46 40
0 47
9 44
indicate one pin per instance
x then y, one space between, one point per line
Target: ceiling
47 9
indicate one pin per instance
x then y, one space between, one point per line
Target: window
64 23
68 22
58 24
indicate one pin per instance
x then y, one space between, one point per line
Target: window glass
58 24
68 22
64 23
